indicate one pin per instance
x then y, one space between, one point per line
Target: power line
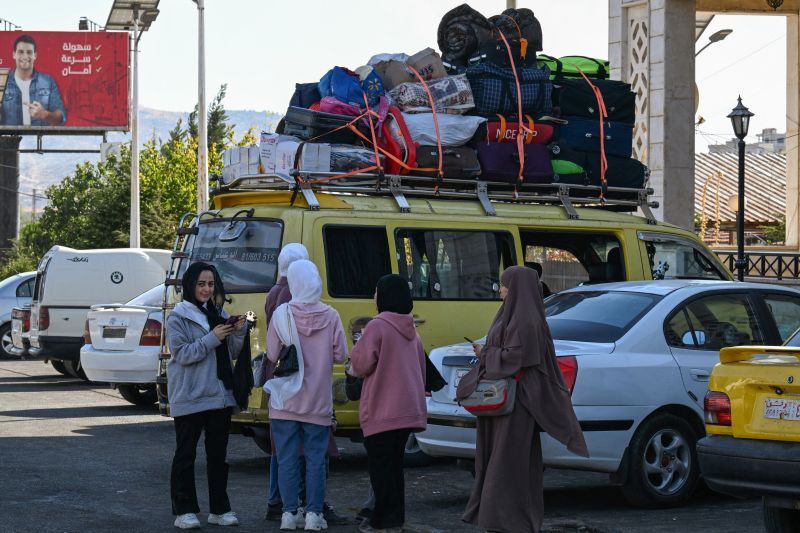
739 61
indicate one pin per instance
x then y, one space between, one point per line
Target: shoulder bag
493 397
287 360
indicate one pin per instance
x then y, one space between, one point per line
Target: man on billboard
31 98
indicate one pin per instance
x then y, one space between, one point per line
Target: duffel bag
506 130
622 171
494 89
311 124
572 66
457 162
500 162
451 94
584 134
576 98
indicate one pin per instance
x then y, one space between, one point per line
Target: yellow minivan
451 246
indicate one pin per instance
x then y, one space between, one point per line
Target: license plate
460 373
114 333
781 409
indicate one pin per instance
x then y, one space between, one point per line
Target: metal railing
765 264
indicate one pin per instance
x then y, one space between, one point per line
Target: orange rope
523 42
603 115
372 131
435 125
520 141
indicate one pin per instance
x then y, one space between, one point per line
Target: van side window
453 265
25 289
355 258
677 258
568 259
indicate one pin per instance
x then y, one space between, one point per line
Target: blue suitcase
584 134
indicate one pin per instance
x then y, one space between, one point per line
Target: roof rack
403 187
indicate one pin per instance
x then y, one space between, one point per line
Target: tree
775 233
218 132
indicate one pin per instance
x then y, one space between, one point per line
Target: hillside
38 171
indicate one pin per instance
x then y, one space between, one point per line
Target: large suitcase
506 130
622 171
576 98
500 162
584 134
310 124
459 162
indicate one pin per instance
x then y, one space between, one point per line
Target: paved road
75 457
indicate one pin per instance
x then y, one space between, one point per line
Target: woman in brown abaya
508 493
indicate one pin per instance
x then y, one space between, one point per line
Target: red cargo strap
520 142
440 174
523 42
374 136
603 113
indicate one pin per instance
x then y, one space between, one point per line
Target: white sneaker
187 521
227 519
290 521
315 522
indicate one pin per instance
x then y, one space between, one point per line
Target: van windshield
245 253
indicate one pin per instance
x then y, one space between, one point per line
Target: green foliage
218 132
776 233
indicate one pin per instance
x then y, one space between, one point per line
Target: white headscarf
290 253
304 282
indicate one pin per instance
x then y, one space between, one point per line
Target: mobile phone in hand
469 340
233 320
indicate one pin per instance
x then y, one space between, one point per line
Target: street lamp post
715 37
202 119
740 119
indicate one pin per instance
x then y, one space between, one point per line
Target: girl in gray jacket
200 376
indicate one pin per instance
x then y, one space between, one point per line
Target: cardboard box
316 157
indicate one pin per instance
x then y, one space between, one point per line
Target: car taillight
87 336
26 320
44 318
151 335
717 407
569 369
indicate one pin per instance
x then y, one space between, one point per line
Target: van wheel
139 394
59 366
75 369
663 463
779 520
414 456
5 342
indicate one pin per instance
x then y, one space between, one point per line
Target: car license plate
781 409
114 333
460 373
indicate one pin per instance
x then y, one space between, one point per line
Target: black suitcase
457 162
584 134
308 124
622 171
575 97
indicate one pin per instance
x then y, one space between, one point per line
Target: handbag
352 387
493 397
287 360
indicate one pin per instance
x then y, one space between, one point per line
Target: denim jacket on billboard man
43 90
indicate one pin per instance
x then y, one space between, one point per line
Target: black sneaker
274 512
332 517
364 514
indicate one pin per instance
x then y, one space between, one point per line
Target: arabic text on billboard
63 80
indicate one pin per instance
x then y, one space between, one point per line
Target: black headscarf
212 311
394 295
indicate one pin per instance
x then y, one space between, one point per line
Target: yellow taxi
752 415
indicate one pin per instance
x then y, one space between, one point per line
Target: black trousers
385 461
216 425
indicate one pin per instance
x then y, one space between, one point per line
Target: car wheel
780 520
663 469
414 456
75 369
59 366
139 394
5 342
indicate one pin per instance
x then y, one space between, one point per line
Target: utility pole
202 119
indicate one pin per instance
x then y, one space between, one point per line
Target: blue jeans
289 435
274 491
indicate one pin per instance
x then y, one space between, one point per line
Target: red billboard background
90 69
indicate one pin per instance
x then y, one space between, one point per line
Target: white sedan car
637 357
122 343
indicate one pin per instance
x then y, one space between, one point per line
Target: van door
701 327
677 257
454 275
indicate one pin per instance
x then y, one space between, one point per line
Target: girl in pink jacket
391 359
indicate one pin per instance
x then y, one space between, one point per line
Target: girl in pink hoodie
391 359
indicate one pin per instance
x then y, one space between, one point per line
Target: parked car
122 343
753 422
15 291
637 357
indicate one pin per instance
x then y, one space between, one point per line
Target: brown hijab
519 339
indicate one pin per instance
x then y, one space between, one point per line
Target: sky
261 48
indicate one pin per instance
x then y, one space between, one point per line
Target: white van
69 282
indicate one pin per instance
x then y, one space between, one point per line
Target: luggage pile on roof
487 108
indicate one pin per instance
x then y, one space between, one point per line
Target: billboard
63 81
